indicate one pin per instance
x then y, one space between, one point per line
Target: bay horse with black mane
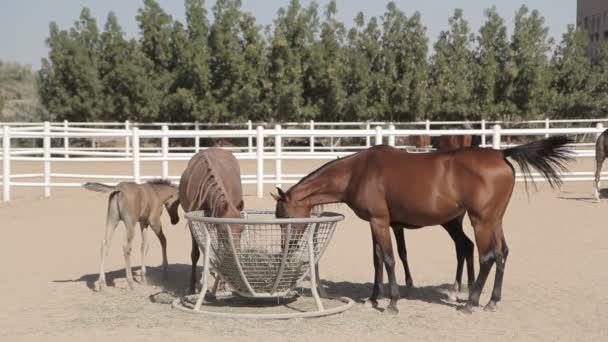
443 187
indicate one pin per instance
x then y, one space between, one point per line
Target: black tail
548 156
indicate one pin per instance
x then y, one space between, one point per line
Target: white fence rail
269 145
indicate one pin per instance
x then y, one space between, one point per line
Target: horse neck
325 186
164 192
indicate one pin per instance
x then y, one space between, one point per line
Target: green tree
598 83
451 75
289 57
571 71
126 77
325 69
69 79
530 45
494 71
156 28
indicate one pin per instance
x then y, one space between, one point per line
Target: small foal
131 203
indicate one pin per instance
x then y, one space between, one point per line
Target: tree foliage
310 65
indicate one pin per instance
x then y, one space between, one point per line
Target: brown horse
601 150
443 187
464 246
132 203
211 182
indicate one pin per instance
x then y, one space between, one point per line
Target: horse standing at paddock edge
464 246
601 151
131 203
444 186
211 182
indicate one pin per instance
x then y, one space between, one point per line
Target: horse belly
425 213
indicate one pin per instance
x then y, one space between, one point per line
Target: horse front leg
377 290
381 232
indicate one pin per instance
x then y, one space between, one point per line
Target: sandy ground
554 289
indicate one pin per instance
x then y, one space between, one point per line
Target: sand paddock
554 289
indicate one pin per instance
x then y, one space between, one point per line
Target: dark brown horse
211 182
601 150
386 186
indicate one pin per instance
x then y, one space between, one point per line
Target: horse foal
132 203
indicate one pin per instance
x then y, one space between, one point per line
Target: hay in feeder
260 268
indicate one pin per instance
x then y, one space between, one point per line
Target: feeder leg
322 291
205 275
313 275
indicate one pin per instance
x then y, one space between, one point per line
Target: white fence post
496 137
546 126
391 135
66 139
483 135
600 127
312 138
46 143
428 125
277 149
6 163
250 138
368 139
197 139
127 128
260 161
165 151
378 135
135 149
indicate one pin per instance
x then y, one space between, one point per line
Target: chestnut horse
443 187
211 182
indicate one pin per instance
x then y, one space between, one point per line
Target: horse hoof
465 309
452 298
491 306
101 285
371 303
392 310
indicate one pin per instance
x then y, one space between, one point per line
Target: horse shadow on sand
588 197
175 286
179 276
360 292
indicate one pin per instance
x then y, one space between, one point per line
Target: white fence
269 145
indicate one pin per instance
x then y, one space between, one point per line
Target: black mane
161 181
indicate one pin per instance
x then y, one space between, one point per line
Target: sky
24 23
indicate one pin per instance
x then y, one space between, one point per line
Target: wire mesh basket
260 255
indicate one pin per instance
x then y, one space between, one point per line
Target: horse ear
275 196
282 193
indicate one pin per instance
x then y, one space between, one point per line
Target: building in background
592 15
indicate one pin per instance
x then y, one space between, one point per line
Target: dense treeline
308 65
19 100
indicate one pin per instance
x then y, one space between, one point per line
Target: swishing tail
99 187
548 156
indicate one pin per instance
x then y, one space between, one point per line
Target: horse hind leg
598 172
112 220
489 238
127 248
501 261
464 252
